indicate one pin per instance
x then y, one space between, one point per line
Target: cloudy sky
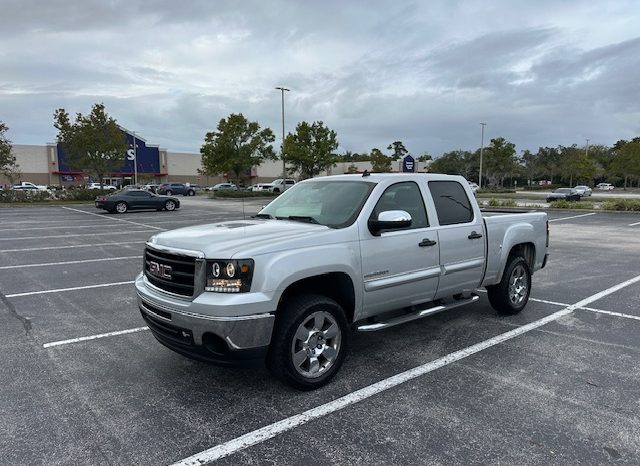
427 73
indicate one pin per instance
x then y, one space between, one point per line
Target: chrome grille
180 279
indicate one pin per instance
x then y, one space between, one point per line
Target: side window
452 203
404 196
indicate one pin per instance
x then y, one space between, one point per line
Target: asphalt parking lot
84 382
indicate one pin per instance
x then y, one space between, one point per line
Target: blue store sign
148 158
408 164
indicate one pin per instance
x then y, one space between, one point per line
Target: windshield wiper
262 216
300 218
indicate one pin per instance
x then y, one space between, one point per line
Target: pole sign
148 158
408 164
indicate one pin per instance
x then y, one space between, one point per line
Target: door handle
426 242
474 235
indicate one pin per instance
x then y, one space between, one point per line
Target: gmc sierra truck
330 256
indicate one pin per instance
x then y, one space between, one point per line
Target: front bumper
233 340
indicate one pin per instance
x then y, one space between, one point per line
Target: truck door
461 237
400 267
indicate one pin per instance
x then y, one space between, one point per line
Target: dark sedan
131 199
568 194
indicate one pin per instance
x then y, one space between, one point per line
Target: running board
415 315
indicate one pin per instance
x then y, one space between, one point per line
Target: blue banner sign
408 164
148 158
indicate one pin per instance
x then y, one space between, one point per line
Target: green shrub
629 205
496 189
14 195
564 204
493 202
29 197
240 194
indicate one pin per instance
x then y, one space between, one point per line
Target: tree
380 163
93 143
236 146
8 165
310 150
456 162
398 149
499 159
626 161
575 163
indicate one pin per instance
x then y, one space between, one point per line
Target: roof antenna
366 173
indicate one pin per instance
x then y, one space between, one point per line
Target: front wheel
170 205
310 341
169 193
510 296
121 207
191 193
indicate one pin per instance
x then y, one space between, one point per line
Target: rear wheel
510 296
121 207
170 205
310 341
191 193
169 192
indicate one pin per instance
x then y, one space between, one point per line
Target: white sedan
583 190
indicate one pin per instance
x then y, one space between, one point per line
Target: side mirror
389 220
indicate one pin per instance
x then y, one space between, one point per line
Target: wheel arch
335 285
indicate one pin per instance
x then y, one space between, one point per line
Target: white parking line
75 235
66 227
272 430
573 216
104 259
610 313
75 288
118 219
634 224
44 248
94 337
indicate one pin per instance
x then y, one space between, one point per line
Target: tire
310 341
170 205
276 190
510 296
191 193
121 207
168 193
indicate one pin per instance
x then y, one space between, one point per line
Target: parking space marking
634 224
75 288
272 430
85 261
66 227
118 219
75 235
44 248
573 216
610 313
94 337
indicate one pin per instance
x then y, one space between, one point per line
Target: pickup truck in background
330 256
28 186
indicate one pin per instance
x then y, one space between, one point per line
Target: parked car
131 199
225 187
568 194
604 186
474 186
259 187
583 190
176 188
195 187
151 187
28 186
280 185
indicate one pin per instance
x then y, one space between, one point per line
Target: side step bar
415 315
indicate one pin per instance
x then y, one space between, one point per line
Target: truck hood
226 240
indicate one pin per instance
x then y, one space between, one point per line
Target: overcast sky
539 73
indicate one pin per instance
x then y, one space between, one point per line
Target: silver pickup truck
329 256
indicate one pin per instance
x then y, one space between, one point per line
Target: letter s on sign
130 155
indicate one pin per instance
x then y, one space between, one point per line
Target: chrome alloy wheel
316 344
121 207
518 285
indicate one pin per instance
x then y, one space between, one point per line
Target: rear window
452 203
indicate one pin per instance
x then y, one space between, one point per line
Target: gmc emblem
160 270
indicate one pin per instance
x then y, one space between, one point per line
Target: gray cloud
427 73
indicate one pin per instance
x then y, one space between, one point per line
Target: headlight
229 276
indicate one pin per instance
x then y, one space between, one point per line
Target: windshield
563 190
335 204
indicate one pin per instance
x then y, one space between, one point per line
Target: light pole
284 169
481 150
586 153
135 161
